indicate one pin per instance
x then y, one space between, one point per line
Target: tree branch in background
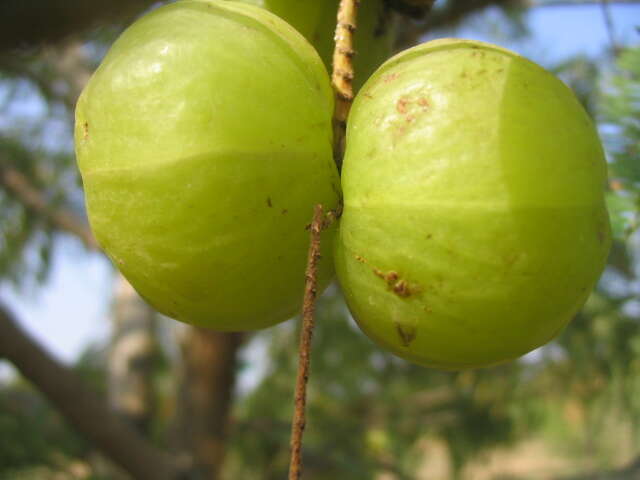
60 71
207 379
32 23
411 8
133 351
453 12
84 409
16 183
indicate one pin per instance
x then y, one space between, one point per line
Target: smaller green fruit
204 141
316 20
474 222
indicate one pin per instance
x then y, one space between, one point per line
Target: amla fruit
204 141
474 223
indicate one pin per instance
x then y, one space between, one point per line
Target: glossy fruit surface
204 140
474 224
316 20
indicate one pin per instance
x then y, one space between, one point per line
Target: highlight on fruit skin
474 223
204 141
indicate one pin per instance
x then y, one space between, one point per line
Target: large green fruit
316 20
204 140
474 224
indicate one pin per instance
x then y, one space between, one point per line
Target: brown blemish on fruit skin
410 109
269 204
406 333
389 78
284 211
402 289
396 284
85 130
401 105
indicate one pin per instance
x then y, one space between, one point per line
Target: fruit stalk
306 333
341 80
342 76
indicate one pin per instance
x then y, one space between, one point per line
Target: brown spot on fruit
423 102
406 333
401 105
389 278
284 211
397 285
269 204
401 289
85 130
390 78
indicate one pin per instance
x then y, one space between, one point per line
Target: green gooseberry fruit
204 141
474 222
316 20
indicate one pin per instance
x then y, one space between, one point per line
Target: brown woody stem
308 322
342 79
83 408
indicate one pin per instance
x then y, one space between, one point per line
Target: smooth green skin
204 141
316 20
476 177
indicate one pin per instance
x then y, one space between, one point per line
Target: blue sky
72 309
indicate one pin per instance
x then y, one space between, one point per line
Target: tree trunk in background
131 357
204 398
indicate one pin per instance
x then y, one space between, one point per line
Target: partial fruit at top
474 222
316 20
204 141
